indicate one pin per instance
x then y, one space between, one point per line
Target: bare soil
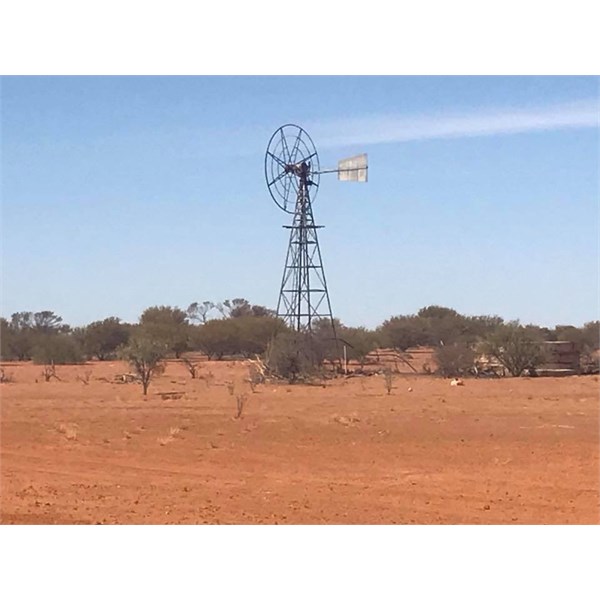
492 451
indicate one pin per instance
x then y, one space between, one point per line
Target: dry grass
49 372
241 402
163 441
208 378
173 433
69 430
255 377
388 379
85 377
192 366
6 377
343 420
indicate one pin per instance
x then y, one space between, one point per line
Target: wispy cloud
382 129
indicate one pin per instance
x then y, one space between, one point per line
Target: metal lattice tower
293 175
303 296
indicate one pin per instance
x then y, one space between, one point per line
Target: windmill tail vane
354 168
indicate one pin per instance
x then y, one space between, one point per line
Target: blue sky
119 193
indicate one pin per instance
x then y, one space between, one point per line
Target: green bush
58 349
216 338
244 336
145 356
517 348
169 326
102 338
294 356
454 359
404 332
360 341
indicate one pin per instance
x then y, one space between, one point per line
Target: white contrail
381 129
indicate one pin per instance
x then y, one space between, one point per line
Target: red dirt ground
493 451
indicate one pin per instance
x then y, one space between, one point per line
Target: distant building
562 358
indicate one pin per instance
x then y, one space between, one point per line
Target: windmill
293 175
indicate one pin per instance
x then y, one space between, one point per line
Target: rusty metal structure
292 172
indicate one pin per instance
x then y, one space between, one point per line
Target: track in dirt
493 451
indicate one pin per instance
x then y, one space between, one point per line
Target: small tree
198 311
404 332
292 356
49 372
591 334
47 322
102 338
192 367
253 333
240 307
515 347
454 359
167 325
59 349
145 356
17 336
217 338
359 341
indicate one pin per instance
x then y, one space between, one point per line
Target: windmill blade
353 168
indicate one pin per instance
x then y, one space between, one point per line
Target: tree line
241 329
238 328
